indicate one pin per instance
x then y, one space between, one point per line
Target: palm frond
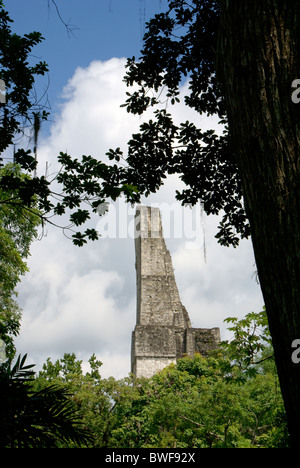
36 419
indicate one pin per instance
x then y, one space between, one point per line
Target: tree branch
191 421
264 359
70 28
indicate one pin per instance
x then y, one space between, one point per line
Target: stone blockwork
163 331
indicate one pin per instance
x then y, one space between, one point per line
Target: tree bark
257 61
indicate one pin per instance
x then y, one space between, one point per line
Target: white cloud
74 302
82 300
91 120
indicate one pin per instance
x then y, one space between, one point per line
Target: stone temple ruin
163 331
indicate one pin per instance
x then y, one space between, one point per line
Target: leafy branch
36 419
251 341
87 181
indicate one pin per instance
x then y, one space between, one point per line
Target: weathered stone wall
163 331
202 340
147 367
158 298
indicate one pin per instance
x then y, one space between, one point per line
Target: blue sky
83 300
101 29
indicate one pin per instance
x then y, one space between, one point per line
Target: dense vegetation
199 402
240 60
229 399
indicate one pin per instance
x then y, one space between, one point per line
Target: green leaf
79 239
80 217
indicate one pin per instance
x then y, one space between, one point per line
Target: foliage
96 399
18 76
251 344
179 409
17 230
215 46
180 44
231 399
81 186
200 402
35 419
87 182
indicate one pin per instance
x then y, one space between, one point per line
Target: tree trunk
257 61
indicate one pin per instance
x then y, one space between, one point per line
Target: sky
83 300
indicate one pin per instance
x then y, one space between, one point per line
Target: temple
163 331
